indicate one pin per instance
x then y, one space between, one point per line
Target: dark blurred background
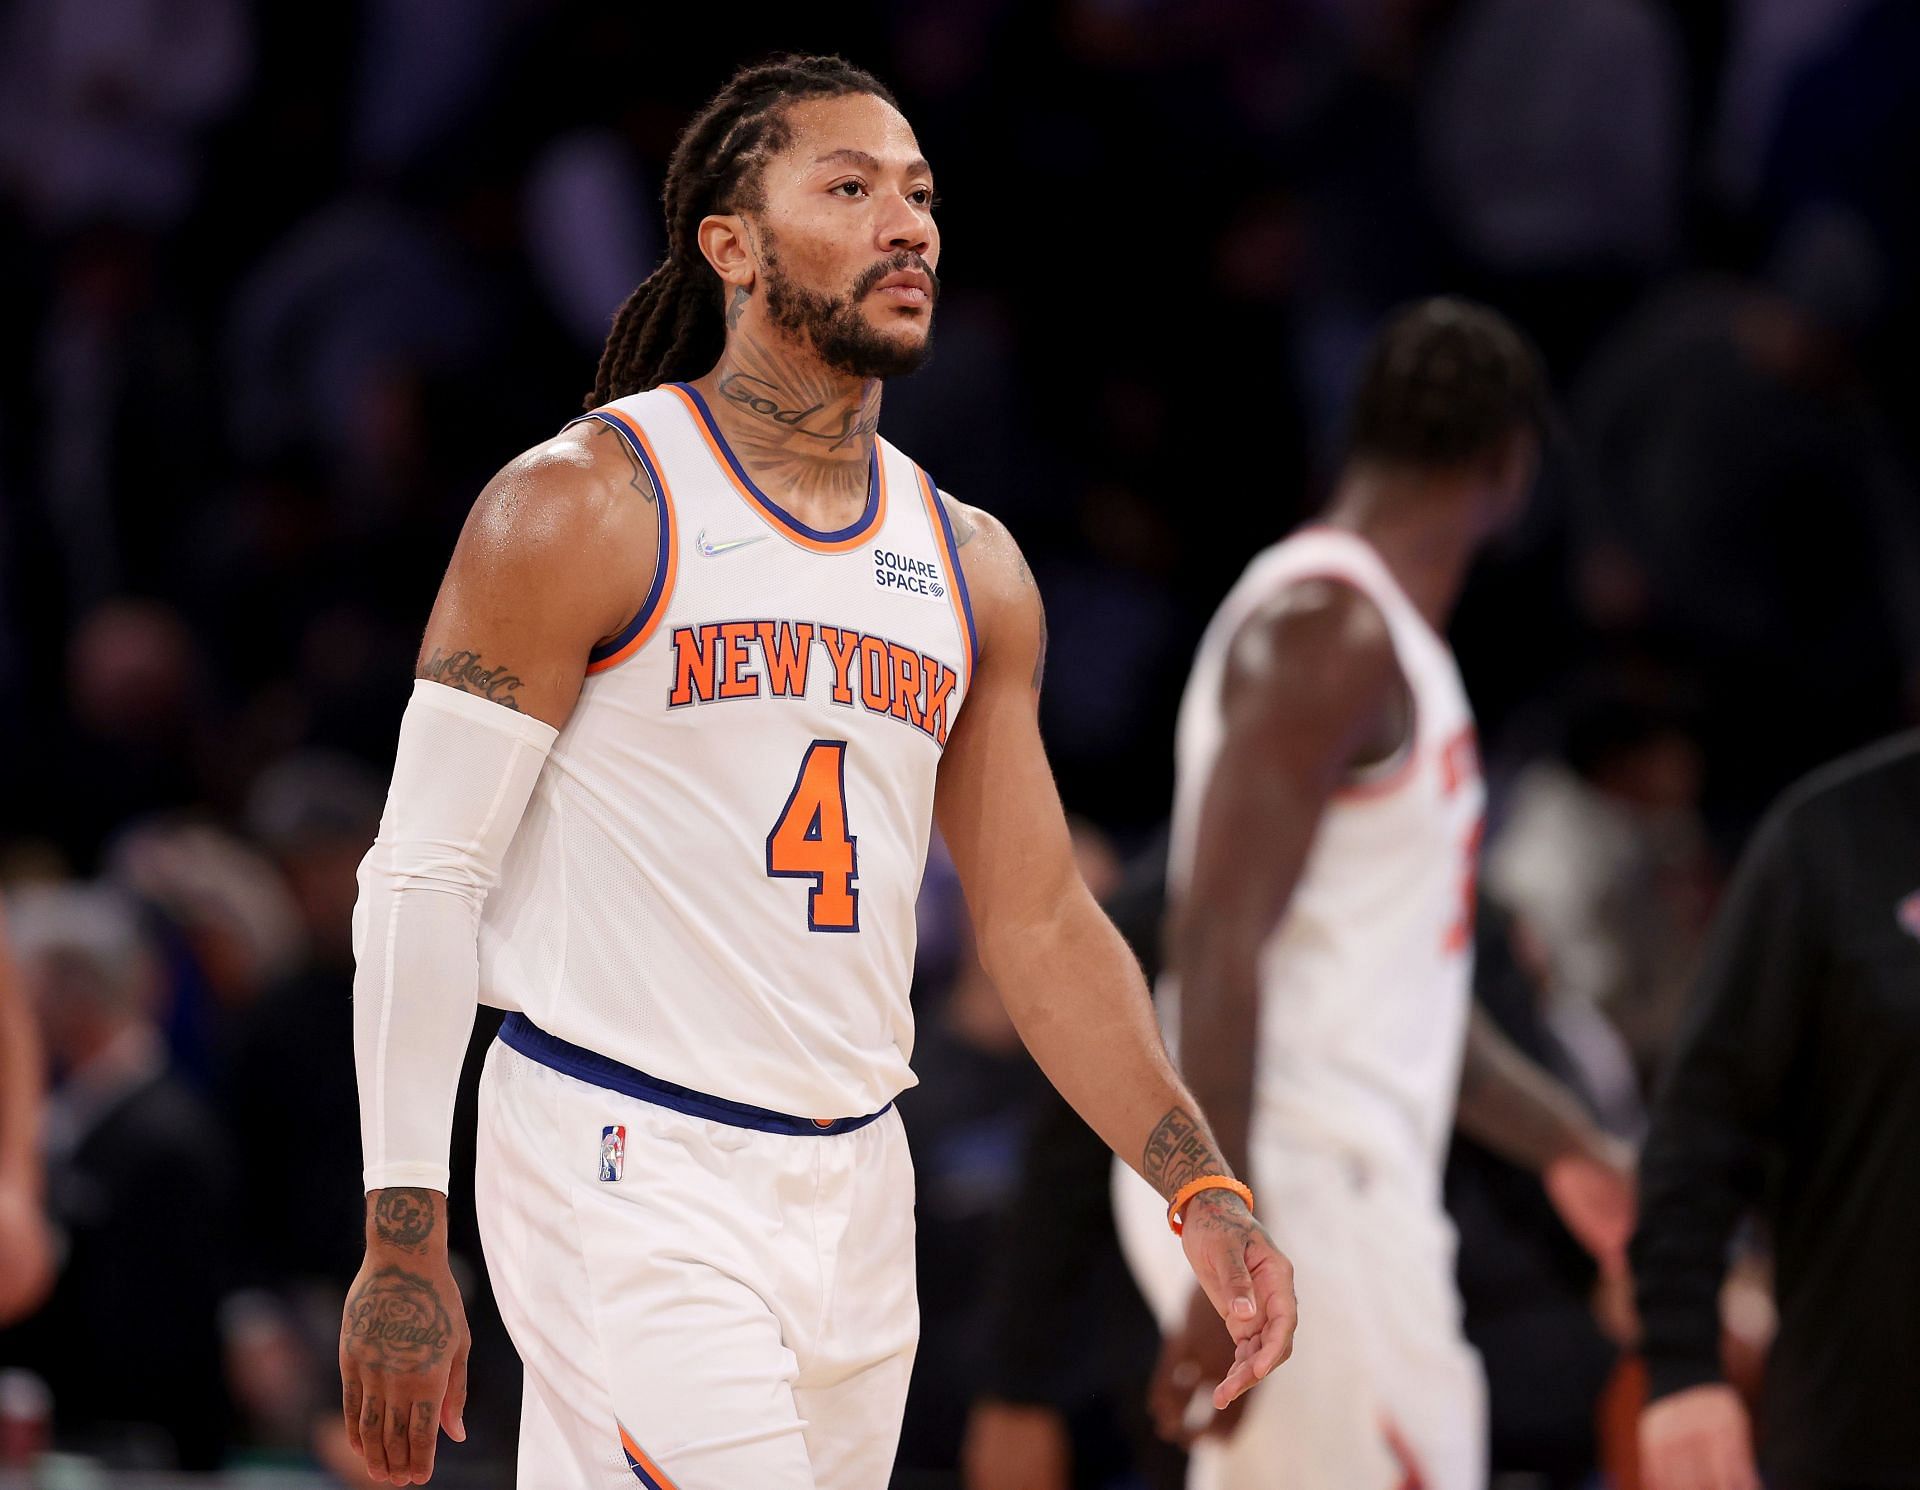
285 284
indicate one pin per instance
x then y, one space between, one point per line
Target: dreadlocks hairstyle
1446 383
673 326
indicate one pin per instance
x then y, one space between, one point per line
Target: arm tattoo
395 1322
462 670
638 478
1178 1151
404 1218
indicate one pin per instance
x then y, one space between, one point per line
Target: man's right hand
1698 1439
403 1339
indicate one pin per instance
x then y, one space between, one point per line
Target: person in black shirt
1795 1090
140 1189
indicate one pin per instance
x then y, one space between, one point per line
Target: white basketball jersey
715 880
1364 982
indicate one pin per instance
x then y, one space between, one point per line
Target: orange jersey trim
784 522
643 1466
957 595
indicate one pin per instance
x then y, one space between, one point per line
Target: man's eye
849 188
924 197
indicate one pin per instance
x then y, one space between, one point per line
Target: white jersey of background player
1325 832
747 652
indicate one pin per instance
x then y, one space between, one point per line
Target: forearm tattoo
396 1323
404 1218
1179 1151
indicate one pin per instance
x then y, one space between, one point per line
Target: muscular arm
1067 978
550 560
1069 982
1311 688
554 556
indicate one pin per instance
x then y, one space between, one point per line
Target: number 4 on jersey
810 839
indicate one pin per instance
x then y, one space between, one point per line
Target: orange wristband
1176 1207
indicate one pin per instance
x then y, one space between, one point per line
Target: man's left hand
1249 1282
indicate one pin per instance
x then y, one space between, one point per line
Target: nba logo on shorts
613 1152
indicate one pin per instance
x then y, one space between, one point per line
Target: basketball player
1326 824
703 671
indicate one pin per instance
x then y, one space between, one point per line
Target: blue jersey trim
523 1035
639 1471
773 509
662 565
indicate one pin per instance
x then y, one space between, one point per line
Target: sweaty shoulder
556 556
574 520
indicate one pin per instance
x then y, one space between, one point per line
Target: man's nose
902 226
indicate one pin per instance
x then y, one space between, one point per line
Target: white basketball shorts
1382 1391
700 1305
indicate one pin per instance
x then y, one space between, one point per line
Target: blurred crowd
287 283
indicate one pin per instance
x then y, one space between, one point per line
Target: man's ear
723 240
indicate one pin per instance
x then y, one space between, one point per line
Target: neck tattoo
794 425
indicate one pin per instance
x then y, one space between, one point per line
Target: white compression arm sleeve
461 781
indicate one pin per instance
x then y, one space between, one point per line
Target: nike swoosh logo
714 550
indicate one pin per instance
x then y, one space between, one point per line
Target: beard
840 335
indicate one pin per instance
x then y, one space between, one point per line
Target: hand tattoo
395 1322
1178 1151
404 1218
462 670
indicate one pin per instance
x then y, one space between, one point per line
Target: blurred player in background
703 670
1795 1092
1327 823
